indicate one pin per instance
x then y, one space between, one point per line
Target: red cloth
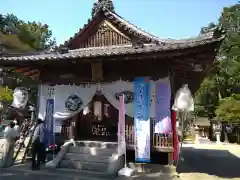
175 137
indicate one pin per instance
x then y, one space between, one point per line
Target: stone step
60 173
86 158
83 174
88 166
92 150
96 144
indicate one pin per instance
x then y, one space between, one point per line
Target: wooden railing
159 142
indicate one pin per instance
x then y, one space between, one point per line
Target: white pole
53 124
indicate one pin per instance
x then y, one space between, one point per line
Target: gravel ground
210 161
200 162
29 176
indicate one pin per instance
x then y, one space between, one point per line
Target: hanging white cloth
64 93
42 101
69 100
110 91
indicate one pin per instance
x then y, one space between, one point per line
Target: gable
107 28
104 34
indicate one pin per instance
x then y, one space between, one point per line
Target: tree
6 94
229 109
11 43
225 74
208 28
17 36
36 35
216 94
102 3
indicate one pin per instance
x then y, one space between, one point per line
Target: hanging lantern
20 97
183 100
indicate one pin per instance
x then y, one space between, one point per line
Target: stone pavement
23 172
207 161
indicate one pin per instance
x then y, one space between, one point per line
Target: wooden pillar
170 158
97 71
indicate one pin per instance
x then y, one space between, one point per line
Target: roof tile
109 51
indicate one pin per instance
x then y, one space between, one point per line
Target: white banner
69 100
142 120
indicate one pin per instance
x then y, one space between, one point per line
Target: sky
177 19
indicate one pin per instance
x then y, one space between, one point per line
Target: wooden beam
20 70
97 71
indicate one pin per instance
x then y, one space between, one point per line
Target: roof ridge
109 47
201 37
141 29
133 29
111 51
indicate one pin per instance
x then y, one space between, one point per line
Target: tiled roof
113 51
202 121
151 42
144 36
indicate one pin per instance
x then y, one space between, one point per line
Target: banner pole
53 125
124 132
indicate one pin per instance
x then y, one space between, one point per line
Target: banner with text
163 123
121 127
142 119
49 123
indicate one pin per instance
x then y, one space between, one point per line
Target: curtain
69 100
110 91
72 94
42 101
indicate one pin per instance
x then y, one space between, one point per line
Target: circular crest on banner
128 96
73 102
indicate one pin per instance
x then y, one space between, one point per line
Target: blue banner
163 108
142 119
49 123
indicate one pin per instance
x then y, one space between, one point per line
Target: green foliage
17 36
229 109
35 35
206 99
97 6
13 44
208 28
6 94
224 77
